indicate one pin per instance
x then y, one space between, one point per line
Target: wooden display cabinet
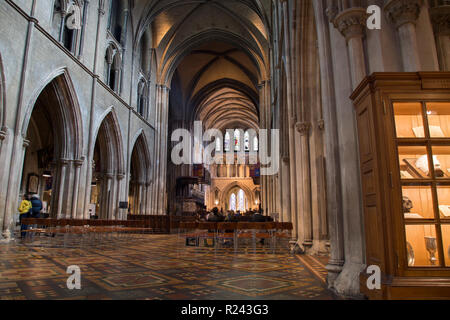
404 143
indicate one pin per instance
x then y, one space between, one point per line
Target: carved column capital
26 143
78 163
351 22
440 17
108 176
303 128
3 133
64 162
401 12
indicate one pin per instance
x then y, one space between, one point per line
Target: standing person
36 208
24 212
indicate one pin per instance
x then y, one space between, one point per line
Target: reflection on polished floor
157 267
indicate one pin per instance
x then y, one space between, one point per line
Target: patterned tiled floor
156 267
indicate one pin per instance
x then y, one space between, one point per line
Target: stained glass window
247 141
227 142
233 202
241 204
218 145
237 140
255 144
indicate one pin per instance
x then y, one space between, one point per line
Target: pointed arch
108 134
140 156
235 186
140 175
66 114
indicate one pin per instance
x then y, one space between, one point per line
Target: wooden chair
226 231
283 234
207 231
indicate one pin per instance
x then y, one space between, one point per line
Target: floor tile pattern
156 267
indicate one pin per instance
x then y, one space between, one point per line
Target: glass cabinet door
423 148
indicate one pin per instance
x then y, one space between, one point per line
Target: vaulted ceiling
207 49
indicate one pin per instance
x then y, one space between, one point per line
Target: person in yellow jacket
24 212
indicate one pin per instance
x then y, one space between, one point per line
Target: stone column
61 27
146 197
404 14
61 195
351 24
164 146
83 28
139 198
76 185
304 128
120 212
331 139
440 17
107 211
285 191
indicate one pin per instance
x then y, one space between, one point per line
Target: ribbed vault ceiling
208 45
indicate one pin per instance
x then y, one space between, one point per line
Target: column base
6 236
346 283
295 247
318 247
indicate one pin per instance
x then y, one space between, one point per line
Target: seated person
214 216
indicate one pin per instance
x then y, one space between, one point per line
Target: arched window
227 142
67 12
142 98
246 141
255 144
233 202
241 200
116 18
218 145
113 63
237 140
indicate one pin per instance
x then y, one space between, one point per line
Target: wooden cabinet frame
384 221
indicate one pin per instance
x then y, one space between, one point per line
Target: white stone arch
144 150
139 172
115 157
60 104
69 112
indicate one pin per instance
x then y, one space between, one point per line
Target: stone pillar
440 17
76 186
61 182
107 210
331 139
351 24
164 146
120 212
404 14
304 128
83 28
285 191
61 27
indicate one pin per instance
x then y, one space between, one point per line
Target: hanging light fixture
47 174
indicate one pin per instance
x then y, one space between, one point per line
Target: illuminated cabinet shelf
404 141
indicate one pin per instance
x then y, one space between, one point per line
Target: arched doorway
52 161
138 193
108 170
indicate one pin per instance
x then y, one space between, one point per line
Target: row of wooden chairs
101 231
226 232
